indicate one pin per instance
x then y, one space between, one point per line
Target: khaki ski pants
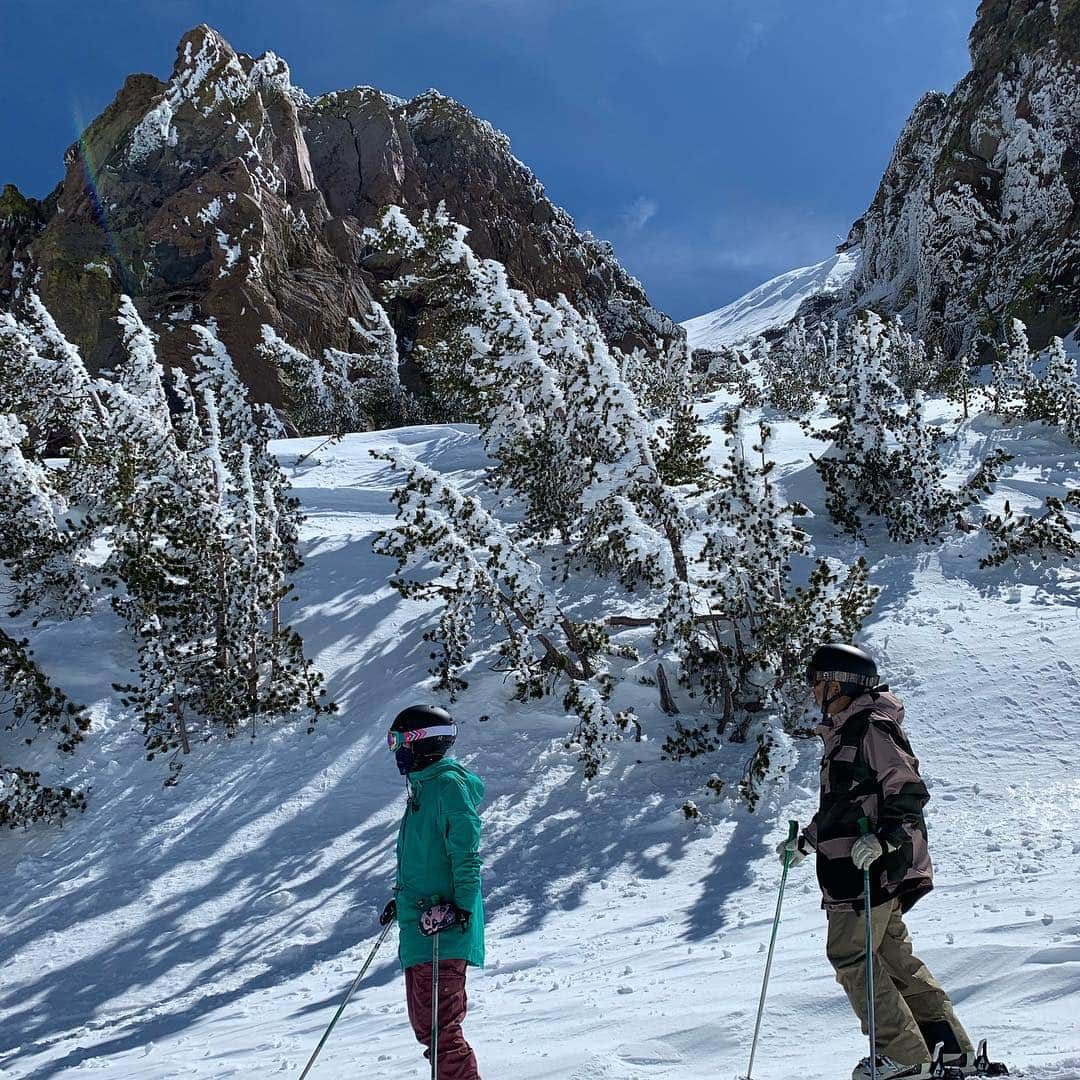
910 1007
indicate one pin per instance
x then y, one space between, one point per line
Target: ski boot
887 1069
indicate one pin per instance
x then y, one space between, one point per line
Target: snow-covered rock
975 221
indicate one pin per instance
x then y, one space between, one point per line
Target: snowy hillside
772 304
209 930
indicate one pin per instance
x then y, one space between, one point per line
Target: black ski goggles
843 677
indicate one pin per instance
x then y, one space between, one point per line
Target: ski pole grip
792 829
864 826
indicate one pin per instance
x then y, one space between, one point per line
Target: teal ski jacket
438 860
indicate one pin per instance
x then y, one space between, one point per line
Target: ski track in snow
210 930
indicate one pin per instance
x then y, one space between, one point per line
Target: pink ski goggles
397 740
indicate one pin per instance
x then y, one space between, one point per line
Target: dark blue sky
716 143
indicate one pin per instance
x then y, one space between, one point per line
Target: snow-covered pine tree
912 363
954 380
202 534
746 655
319 392
857 471
796 343
750 540
681 447
258 666
1061 392
922 505
484 574
238 423
1012 380
486 581
143 431
714 369
43 380
29 706
378 388
792 372
438 278
161 545
749 373
500 360
186 425
659 379
884 460
41 547
826 359
1015 536
631 521
639 371
522 353
344 391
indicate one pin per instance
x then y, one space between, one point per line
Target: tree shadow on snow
290 853
275 888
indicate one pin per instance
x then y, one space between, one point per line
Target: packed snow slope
209 930
771 305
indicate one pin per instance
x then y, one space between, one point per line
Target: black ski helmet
420 752
848 665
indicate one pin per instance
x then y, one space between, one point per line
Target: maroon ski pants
456 1059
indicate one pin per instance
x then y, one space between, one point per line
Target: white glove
866 851
796 847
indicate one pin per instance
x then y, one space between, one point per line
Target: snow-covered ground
772 304
209 930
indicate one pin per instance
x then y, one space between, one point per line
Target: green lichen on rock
14 203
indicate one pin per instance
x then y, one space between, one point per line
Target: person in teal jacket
437 892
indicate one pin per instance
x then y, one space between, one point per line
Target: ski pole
793 831
341 1007
864 829
434 1006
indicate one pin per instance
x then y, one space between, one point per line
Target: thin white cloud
638 214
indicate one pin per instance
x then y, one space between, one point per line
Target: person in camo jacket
868 771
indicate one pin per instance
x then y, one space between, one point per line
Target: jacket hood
451 766
880 699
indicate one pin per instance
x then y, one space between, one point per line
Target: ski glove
798 849
442 917
866 851
389 913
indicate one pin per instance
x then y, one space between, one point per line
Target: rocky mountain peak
226 192
1007 30
977 217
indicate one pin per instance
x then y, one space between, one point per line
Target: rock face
229 194
977 218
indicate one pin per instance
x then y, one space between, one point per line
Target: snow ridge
773 304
